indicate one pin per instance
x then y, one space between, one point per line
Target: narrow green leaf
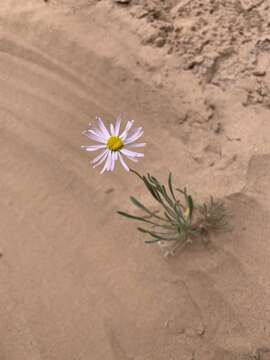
152 179
170 186
151 241
180 190
162 190
132 216
141 206
167 198
171 220
169 211
151 189
190 205
140 218
156 235
142 230
179 211
157 240
144 219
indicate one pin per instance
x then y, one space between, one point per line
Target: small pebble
122 1
159 42
259 73
217 127
110 190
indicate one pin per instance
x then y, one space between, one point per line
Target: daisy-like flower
112 145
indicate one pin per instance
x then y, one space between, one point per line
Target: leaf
167 198
157 240
130 216
153 180
169 218
161 190
170 186
141 206
144 219
156 235
190 205
151 241
179 211
140 218
169 211
151 189
181 191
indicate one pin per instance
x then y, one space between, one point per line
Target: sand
77 280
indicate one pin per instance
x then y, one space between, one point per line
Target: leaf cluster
173 221
213 215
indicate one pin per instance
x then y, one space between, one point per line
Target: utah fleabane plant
176 222
112 145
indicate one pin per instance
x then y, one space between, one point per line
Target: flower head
113 146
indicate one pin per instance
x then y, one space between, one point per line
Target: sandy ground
76 283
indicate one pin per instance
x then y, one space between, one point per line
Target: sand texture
77 280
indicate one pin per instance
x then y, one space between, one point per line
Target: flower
112 145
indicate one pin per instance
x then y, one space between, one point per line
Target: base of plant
176 222
172 249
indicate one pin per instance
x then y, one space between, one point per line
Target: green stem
136 173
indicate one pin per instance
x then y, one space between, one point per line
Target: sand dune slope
74 285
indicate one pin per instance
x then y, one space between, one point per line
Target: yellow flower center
114 143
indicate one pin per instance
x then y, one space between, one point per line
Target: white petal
94 137
98 133
132 159
99 156
113 160
93 147
102 159
99 138
104 167
123 162
112 129
135 136
136 145
128 126
107 163
134 131
102 127
131 153
117 126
